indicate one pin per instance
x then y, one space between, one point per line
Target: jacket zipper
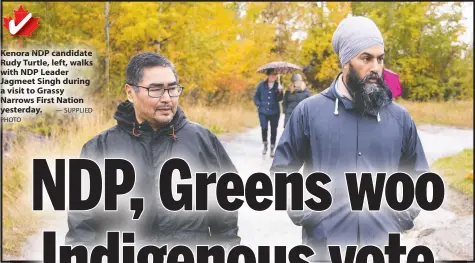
357 160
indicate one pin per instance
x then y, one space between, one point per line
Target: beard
368 96
164 117
158 114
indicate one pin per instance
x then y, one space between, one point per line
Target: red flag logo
24 23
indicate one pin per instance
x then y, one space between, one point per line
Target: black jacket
147 150
291 100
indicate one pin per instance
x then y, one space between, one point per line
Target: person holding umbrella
267 96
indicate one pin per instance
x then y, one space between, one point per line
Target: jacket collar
332 94
125 116
266 84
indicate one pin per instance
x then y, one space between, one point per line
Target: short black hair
134 72
269 71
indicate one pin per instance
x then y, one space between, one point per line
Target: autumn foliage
218 46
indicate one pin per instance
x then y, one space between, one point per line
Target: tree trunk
387 59
107 38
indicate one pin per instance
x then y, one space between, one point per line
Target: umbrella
280 67
393 82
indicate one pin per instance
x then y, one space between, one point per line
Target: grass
19 221
452 113
454 170
223 119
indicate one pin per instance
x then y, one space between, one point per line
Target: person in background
267 97
294 95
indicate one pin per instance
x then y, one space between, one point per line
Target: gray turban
353 35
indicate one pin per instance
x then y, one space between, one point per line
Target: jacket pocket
401 219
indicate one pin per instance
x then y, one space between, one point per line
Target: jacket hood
125 116
332 94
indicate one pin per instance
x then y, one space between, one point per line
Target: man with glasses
151 128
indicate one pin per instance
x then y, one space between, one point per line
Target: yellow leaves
328 70
217 47
338 11
317 48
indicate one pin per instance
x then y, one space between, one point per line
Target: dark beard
367 96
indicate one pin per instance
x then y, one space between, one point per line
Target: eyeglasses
157 91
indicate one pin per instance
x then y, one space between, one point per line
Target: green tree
421 44
323 18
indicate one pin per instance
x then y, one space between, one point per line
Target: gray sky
468 22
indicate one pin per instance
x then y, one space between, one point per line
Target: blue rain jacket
267 100
325 134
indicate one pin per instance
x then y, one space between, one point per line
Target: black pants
274 122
